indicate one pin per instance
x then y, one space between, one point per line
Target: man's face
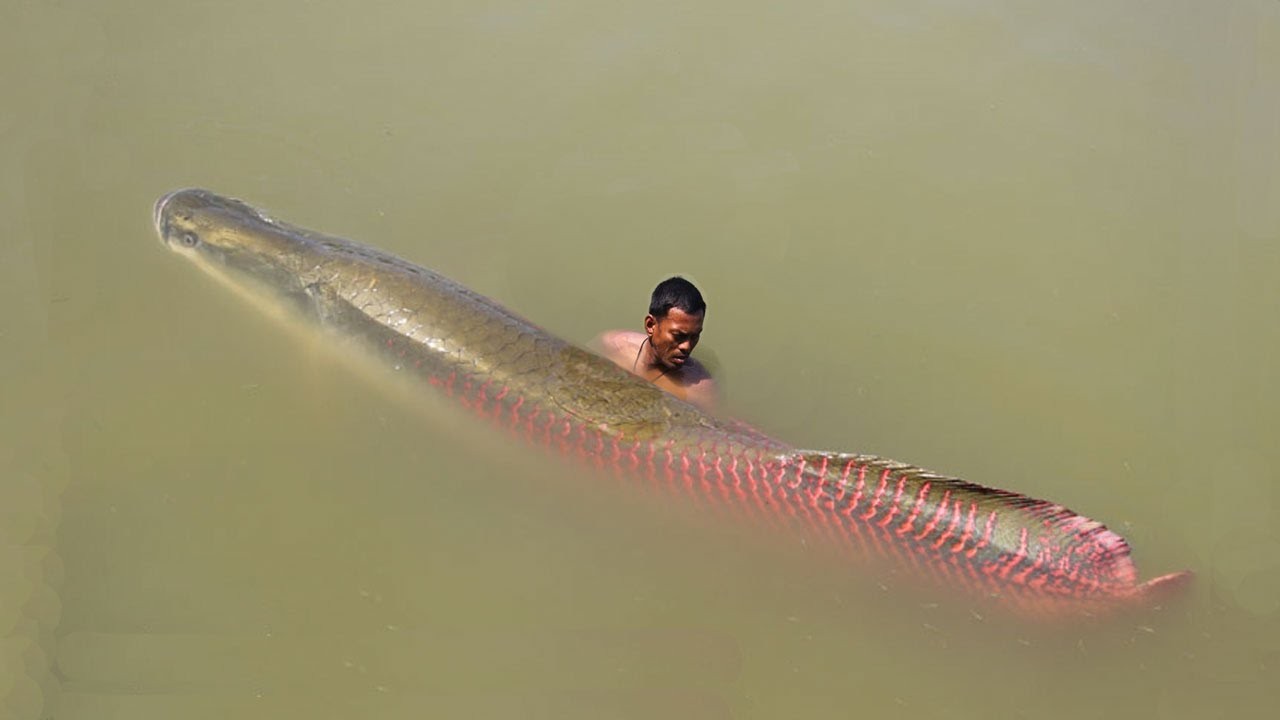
674 336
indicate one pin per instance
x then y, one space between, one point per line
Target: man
661 354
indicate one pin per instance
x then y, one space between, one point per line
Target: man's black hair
676 292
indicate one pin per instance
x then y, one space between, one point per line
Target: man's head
674 322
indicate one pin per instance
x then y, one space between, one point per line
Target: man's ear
650 322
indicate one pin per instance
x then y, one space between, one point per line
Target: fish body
1037 555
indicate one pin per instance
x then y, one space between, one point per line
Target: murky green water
1034 245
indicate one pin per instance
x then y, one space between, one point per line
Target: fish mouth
157 215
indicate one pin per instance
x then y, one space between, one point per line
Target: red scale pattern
919 521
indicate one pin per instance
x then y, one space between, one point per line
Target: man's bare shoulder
619 345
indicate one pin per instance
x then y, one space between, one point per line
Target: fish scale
1039 555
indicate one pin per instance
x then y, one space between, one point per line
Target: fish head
237 244
211 228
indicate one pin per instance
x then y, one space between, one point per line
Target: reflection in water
1030 245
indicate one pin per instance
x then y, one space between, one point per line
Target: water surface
1031 245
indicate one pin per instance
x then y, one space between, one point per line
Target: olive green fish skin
508 370
417 316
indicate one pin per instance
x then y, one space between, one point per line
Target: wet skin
662 355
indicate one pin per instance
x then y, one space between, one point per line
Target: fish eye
189 239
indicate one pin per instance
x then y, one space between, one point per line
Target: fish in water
1037 555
